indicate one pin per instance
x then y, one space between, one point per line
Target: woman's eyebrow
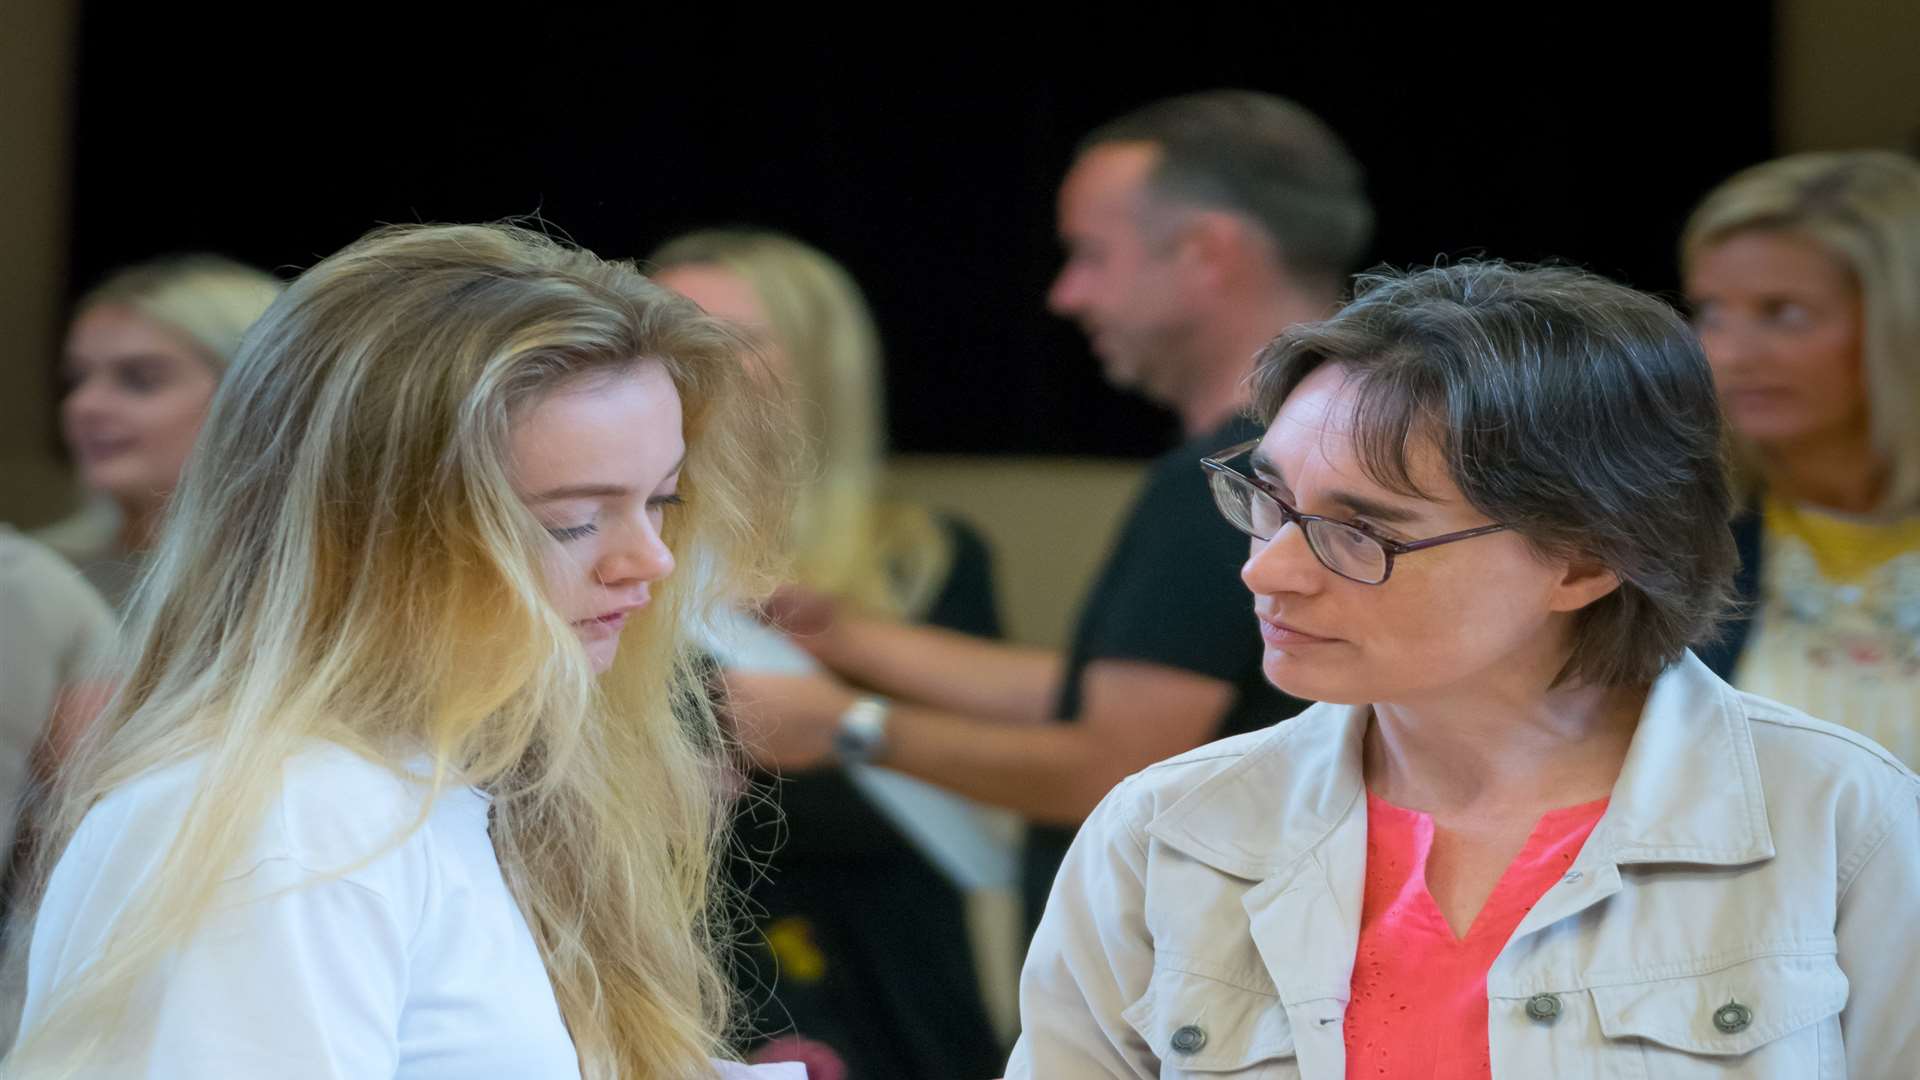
596 491
1360 505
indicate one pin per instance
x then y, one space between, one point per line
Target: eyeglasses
1347 549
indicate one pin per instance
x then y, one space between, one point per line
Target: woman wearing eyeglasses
1527 833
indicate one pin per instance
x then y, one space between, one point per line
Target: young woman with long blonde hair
413 774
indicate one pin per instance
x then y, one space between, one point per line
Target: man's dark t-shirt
1170 593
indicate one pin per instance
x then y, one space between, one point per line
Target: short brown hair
1264 158
1576 411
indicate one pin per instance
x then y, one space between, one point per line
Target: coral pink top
1419 1005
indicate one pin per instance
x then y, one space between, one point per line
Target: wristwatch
862 735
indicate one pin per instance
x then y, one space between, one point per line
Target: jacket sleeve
1879 950
1091 957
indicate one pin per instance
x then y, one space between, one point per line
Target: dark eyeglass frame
1392 549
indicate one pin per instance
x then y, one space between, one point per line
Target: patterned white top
1837 633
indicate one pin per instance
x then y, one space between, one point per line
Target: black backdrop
923 156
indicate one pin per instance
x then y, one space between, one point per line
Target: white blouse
416 965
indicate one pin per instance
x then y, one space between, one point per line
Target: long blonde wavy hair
347 560
849 541
1863 207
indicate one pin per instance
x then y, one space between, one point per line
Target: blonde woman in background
412 776
814 329
145 351
866 943
1804 277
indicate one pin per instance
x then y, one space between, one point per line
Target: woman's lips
97 448
1279 634
606 625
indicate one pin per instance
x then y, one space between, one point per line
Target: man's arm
941 668
1168 633
1133 714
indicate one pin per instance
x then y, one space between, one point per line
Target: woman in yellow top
1804 275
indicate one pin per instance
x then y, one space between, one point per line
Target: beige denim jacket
1749 906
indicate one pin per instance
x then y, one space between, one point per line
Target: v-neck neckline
1551 829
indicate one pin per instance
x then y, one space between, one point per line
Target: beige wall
1848 74
36 66
1049 523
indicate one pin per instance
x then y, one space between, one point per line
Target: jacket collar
1688 792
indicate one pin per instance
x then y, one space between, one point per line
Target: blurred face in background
137 393
726 295
1124 283
1781 321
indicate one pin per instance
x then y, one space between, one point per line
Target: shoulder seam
1831 731
1192 759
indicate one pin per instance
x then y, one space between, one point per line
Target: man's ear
1219 247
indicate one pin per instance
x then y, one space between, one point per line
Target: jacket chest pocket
1203 1028
1770 1017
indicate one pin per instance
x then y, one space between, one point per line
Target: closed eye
565 533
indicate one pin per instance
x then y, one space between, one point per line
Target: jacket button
1732 1017
1189 1039
1543 1007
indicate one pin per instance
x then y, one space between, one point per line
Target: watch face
862 731
854 744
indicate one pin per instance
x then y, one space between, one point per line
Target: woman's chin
601 651
123 479
1292 677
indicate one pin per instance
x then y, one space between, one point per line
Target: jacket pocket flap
1197 1024
1734 1010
